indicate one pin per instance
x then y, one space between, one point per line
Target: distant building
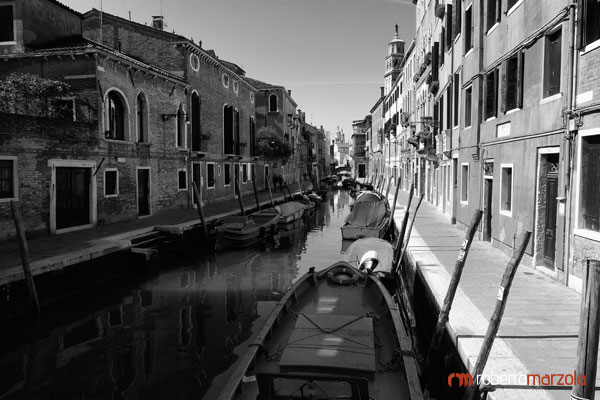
361 135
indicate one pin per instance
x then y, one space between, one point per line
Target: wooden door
487 209
72 197
143 190
550 216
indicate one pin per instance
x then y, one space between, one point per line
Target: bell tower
393 61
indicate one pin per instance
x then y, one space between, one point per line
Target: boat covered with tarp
370 217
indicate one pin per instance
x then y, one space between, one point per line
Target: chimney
382 91
157 22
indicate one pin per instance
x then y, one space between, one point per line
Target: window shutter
519 83
449 21
434 61
455 11
458 22
505 84
442 45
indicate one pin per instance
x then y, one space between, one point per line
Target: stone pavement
51 253
538 332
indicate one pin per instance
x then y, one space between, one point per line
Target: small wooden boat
335 334
370 217
290 211
239 231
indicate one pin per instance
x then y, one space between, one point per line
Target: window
510 4
181 127
244 173
225 80
514 82
228 129
116 116
273 103
142 118
456 86
449 27
8 178
194 62
468 105
266 175
236 125
493 13
552 61
195 120
7 29
449 105
506 183
441 109
491 94
464 183
227 168
589 204
210 175
456 17
442 45
590 31
111 182
182 179
468 29
252 136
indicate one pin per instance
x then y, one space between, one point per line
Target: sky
329 53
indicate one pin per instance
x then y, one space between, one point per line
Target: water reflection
175 334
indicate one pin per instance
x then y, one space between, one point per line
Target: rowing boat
243 231
335 333
370 217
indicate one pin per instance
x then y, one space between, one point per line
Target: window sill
514 110
118 141
514 7
456 38
107 196
182 149
586 233
493 28
490 119
464 203
182 190
468 53
506 213
551 98
590 47
7 199
11 43
210 187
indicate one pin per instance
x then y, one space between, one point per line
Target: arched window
236 124
180 126
142 118
273 103
228 129
116 116
197 144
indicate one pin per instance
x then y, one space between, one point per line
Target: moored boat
337 334
370 217
290 211
372 253
243 231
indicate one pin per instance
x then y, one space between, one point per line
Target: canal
172 333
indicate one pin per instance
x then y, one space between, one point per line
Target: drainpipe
480 101
569 148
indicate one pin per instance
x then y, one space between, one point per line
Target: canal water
174 333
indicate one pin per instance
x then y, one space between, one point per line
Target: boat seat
331 343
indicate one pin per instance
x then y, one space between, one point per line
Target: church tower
393 61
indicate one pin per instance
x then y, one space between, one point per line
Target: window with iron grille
111 182
8 179
210 175
182 179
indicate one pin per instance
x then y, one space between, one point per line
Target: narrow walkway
538 333
54 252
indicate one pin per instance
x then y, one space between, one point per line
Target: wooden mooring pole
403 246
393 210
387 192
587 347
256 195
198 199
269 187
447 306
494 324
400 238
288 190
25 255
239 193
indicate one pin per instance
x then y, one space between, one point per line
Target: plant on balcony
271 145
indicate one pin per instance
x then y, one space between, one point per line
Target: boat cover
367 213
383 248
289 208
367 196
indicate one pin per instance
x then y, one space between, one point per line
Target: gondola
370 217
335 334
243 231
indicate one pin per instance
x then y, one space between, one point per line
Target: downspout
480 108
568 140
